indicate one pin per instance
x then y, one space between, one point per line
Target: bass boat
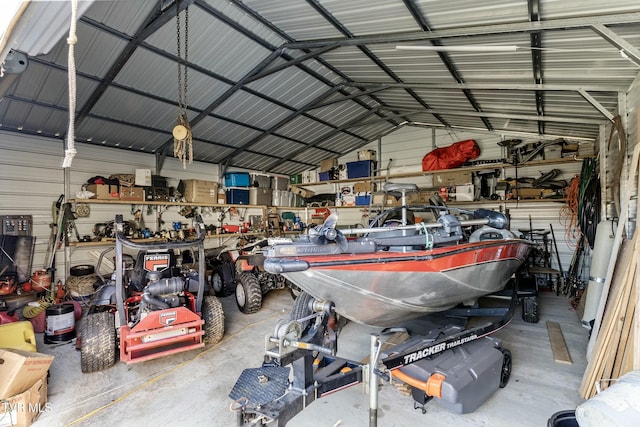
410 261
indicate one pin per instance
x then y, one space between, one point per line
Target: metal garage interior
276 88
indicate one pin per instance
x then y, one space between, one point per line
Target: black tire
248 293
302 308
505 372
219 284
82 270
98 337
530 309
213 317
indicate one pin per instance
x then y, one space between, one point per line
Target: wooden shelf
460 169
111 241
158 203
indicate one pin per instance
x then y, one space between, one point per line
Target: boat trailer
300 365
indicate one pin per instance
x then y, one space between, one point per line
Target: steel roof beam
507 132
347 98
488 86
508 116
156 19
157 98
477 30
282 122
536 59
324 137
367 52
627 50
596 104
239 4
444 56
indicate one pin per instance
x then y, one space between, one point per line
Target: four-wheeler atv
242 271
152 308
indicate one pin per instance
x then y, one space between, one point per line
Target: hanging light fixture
182 136
460 48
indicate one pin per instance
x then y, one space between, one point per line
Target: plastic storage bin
237 179
363 200
237 196
361 169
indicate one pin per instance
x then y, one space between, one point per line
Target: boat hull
385 288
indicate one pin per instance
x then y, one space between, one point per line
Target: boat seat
402 188
490 233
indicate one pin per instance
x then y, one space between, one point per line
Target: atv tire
219 284
98 336
213 317
248 293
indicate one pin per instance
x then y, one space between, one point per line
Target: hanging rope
182 136
70 151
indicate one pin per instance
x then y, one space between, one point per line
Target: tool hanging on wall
182 136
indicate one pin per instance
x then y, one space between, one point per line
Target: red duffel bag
452 156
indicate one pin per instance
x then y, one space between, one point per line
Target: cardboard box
309 177
20 369
24 408
387 200
367 155
303 192
104 192
132 193
200 191
419 197
143 177
526 193
450 179
328 164
222 197
364 186
553 152
464 193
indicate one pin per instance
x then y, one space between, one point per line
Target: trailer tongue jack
460 368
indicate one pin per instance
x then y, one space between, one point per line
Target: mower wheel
219 285
248 293
98 336
302 308
213 317
505 374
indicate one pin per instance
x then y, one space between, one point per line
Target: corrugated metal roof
280 85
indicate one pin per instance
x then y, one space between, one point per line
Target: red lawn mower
150 308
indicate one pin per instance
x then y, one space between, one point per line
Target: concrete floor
191 389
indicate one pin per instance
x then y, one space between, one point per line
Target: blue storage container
237 196
361 169
237 179
323 176
363 200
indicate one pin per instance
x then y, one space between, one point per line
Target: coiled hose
589 201
30 311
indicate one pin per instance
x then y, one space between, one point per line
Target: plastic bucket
60 324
